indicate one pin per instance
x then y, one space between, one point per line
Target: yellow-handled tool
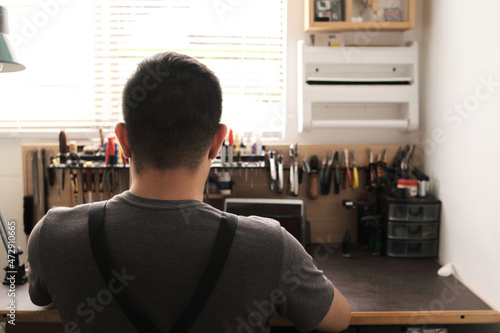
355 181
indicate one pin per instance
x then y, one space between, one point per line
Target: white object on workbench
446 270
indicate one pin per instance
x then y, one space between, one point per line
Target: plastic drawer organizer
412 226
357 87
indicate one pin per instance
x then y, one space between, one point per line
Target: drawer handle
417 213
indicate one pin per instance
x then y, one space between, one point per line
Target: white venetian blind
241 41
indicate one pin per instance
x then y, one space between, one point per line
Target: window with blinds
79 58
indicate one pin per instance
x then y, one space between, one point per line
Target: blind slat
77 82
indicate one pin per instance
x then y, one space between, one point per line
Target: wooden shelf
310 25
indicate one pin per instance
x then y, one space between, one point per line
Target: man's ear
121 134
219 136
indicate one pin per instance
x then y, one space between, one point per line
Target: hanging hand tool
306 168
272 169
51 171
111 148
35 178
280 171
100 179
28 201
380 171
355 180
62 156
230 147
313 188
105 183
89 181
337 173
371 173
45 183
101 137
347 175
383 165
325 177
406 160
295 170
322 175
292 171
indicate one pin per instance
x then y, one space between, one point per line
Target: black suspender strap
209 279
101 256
220 252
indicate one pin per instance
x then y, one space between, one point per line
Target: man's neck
176 184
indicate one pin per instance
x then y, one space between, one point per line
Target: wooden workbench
380 290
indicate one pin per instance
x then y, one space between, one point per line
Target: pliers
325 176
347 174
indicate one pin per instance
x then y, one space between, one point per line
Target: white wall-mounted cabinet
357 87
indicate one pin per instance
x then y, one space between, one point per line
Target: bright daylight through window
78 55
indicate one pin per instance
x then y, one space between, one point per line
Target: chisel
89 180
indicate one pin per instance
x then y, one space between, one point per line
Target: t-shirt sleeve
307 293
37 289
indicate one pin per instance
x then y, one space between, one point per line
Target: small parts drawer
405 248
412 230
413 212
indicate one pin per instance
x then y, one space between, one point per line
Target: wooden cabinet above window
353 15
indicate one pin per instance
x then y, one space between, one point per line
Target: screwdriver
89 180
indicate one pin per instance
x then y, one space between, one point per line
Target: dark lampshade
8 61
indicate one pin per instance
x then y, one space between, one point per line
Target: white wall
461 49
11 194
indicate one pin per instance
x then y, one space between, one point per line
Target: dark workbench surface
395 284
380 290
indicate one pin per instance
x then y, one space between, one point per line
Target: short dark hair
172 106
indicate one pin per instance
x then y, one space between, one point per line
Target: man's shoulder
260 233
63 221
66 215
259 224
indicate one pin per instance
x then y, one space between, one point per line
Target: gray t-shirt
160 249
